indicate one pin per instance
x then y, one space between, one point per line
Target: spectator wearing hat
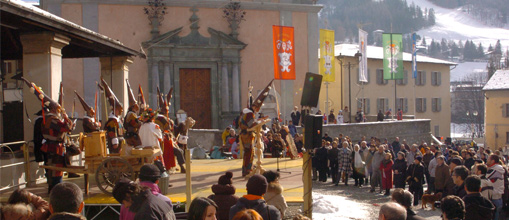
224 195
459 175
256 188
274 195
415 179
149 177
141 201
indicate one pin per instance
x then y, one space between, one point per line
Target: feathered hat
141 99
168 97
90 111
162 104
130 94
112 99
46 101
61 95
261 97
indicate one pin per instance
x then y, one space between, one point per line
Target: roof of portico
18 17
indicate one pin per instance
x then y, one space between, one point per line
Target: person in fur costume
224 195
274 195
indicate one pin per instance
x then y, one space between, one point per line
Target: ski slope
457 25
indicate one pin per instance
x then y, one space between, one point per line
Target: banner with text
392 45
284 52
363 60
327 64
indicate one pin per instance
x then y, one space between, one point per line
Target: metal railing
26 161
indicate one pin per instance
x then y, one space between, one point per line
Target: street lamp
357 56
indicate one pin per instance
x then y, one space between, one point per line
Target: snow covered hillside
455 24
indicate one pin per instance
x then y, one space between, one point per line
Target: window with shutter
439 105
439 78
507 137
505 112
405 78
405 104
423 104
367 106
433 78
359 103
379 105
379 76
418 104
423 78
386 104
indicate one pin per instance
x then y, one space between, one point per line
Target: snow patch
458 25
337 207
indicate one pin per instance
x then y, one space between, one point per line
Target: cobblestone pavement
349 202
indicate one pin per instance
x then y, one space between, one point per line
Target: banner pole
327 99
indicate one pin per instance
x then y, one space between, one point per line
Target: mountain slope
454 24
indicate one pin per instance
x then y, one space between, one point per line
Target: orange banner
284 52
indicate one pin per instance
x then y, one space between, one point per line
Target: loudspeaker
311 90
313 131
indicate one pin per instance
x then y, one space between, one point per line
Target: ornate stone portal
171 60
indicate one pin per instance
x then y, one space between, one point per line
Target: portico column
115 71
42 64
152 99
167 81
225 88
236 87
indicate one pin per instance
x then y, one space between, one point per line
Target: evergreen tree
423 41
498 48
455 51
431 17
480 51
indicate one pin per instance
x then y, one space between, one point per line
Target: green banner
393 56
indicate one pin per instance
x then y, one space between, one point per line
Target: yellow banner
327 64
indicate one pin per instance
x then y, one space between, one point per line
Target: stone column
225 88
167 80
42 64
152 97
236 87
115 71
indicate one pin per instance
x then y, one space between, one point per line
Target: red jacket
386 174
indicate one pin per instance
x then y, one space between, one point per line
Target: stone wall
414 131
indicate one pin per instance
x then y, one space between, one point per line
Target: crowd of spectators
475 175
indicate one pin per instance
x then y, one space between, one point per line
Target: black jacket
268 212
332 155
321 156
459 190
148 206
416 174
478 207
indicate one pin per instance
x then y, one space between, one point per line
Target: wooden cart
108 168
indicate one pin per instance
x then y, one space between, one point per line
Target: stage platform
204 174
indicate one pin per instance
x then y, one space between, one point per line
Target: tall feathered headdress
258 102
141 99
46 101
112 99
163 107
130 94
89 110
